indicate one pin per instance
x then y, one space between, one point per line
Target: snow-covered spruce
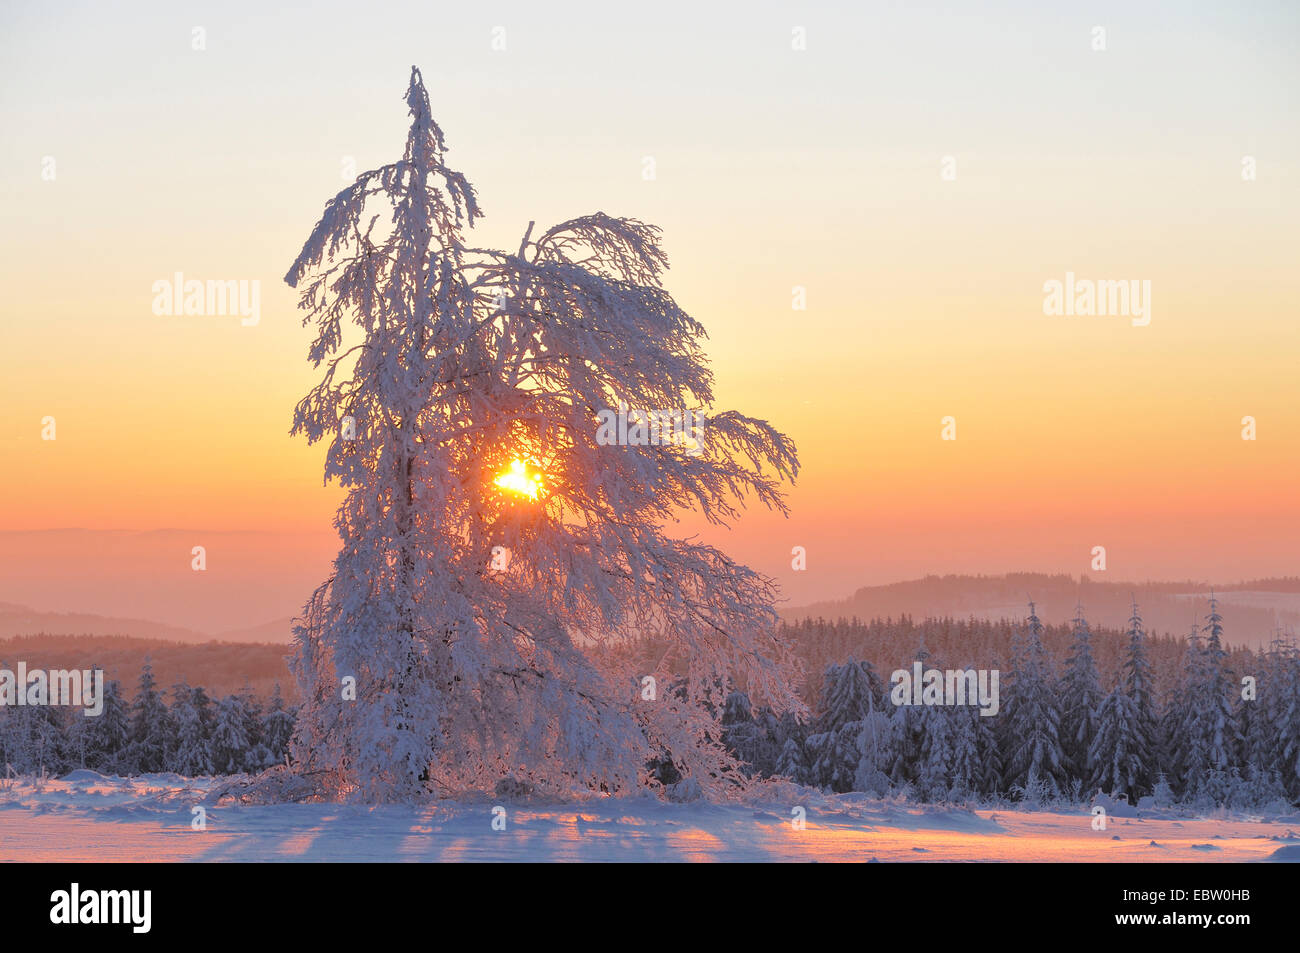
1035 761
1122 754
1080 693
188 737
445 363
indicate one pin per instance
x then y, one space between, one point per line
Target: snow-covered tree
736 710
1181 753
495 546
1283 706
773 732
791 762
1219 692
989 777
835 757
230 745
850 694
1032 722
108 734
152 737
875 748
33 740
277 726
1256 718
756 738
905 734
918 749
1081 696
1201 721
1264 722
964 767
257 755
934 767
190 714
1117 766
1123 755
1139 685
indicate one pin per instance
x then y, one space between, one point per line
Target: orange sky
820 169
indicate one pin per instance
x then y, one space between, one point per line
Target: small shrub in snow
685 790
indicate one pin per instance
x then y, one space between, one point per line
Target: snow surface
87 817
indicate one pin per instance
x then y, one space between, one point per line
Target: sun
518 480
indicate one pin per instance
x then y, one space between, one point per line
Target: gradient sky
774 168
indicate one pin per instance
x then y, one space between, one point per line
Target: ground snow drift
87 817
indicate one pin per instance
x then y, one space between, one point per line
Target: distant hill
1252 611
279 632
220 667
23 620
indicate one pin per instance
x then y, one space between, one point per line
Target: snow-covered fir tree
1139 684
791 762
965 774
1123 752
108 734
907 734
773 732
934 766
152 741
1257 718
230 744
736 710
193 753
1181 751
1219 693
850 693
257 755
32 741
1034 761
496 548
1202 722
1116 762
741 733
989 776
1081 696
875 748
277 727
1281 702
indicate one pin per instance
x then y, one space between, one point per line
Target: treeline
1175 720
1166 607
226 667
1079 711
185 732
